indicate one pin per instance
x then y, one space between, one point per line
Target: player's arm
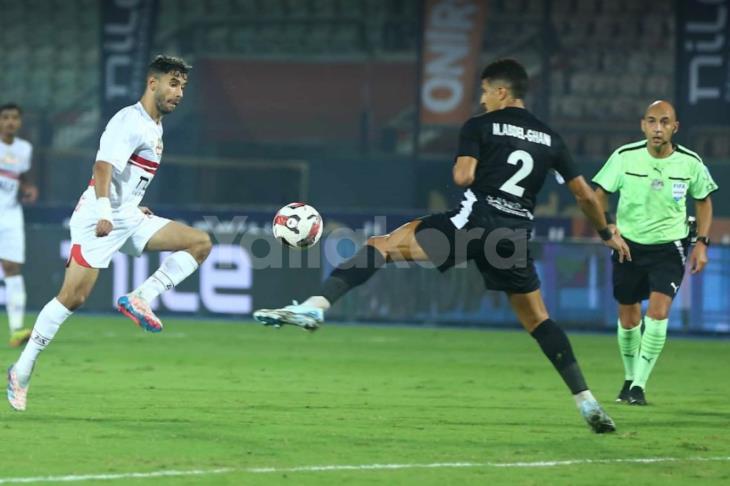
28 189
464 170
588 201
591 206
467 155
602 196
102 180
120 139
603 199
703 213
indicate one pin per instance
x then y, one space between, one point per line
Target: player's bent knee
72 300
202 246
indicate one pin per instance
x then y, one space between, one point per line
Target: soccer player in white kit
15 163
108 218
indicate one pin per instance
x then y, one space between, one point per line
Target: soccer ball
298 225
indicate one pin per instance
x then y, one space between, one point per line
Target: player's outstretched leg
77 285
400 245
191 247
15 298
530 310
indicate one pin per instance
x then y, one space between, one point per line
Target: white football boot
304 316
596 418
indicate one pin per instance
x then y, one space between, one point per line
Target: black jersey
515 151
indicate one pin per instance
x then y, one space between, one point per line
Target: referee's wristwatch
704 240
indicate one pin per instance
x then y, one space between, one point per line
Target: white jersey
14 160
132 143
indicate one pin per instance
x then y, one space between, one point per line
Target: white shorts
130 234
12 235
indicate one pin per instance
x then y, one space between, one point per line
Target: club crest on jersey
657 184
679 189
158 147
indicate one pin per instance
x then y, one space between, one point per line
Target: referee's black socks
554 343
355 271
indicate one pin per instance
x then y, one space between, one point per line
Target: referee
653 177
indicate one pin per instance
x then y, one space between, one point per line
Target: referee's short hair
511 72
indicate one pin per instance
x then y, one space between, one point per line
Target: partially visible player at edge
15 164
108 219
654 178
504 156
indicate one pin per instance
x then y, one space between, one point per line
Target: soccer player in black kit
503 158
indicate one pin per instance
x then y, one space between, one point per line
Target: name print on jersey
507 130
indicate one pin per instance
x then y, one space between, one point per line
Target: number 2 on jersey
511 185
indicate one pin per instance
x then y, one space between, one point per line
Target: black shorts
653 268
498 246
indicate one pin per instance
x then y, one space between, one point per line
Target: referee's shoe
624 395
636 396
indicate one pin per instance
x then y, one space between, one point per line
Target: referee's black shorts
653 268
498 246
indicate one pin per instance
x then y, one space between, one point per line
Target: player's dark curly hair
11 106
167 64
511 72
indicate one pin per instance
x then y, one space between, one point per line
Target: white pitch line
509 465
355 467
133 475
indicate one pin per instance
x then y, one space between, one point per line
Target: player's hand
617 244
103 228
614 229
146 211
698 258
29 194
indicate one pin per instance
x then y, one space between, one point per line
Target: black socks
355 271
554 343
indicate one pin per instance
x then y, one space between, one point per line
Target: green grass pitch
223 399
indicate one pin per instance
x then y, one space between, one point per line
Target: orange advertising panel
452 38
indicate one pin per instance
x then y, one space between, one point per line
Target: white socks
317 301
582 397
46 325
15 297
174 269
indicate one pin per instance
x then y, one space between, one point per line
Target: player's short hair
511 72
11 106
167 64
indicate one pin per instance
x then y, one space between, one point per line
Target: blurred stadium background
354 106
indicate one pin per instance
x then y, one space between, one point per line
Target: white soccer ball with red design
298 225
